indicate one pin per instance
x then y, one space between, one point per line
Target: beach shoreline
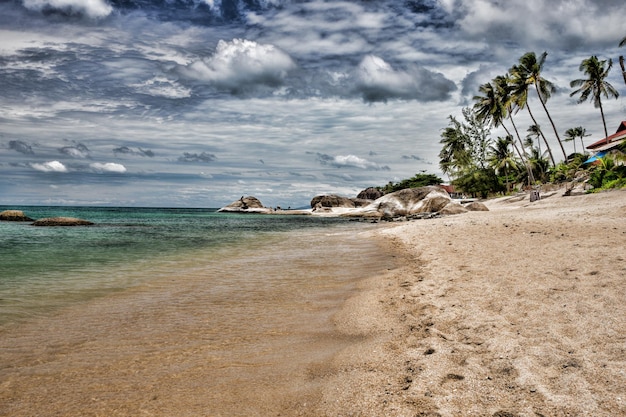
516 311
519 311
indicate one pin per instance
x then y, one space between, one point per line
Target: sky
194 103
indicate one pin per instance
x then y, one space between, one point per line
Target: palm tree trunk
552 123
606 133
542 135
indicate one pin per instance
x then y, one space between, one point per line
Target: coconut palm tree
527 73
576 132
501 158
455 155
519 95
595 86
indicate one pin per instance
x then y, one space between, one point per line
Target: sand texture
519 311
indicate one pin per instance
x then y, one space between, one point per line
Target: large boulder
245 205
62 221
14 216
476 206
452 208
332 201
370 193
429 199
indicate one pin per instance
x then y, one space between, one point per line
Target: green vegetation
480 165
418 180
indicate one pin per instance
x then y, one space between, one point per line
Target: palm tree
519 95
595 86
576 132
501 157
527 73
455 154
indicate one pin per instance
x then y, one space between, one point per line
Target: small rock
14 216
62 221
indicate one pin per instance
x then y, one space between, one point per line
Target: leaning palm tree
595 86
576 132
519 95
528 72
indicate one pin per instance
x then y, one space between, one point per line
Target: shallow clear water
174 312
42 268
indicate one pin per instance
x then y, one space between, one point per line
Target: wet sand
519 311
234 337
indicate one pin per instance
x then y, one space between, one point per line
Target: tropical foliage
418 180
479 165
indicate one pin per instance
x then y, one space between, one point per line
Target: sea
173 311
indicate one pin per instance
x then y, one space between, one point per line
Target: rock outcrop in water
62 221
14 216
246 205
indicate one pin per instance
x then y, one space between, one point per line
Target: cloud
559 22
241 65
378 81
51 166
77 151
125 150
22 147
194 157
342 161
94 9
108 167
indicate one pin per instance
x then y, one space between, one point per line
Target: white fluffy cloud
51 166
242 63
344 161
108 167
91 8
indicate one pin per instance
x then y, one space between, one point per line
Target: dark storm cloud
203 157
378 81
77 150
22 147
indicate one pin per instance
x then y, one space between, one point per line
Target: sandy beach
519 311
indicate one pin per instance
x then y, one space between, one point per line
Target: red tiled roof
620 134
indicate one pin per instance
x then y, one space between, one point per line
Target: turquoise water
44 268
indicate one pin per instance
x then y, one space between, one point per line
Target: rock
370 193
14 216
406 202
62 221
453 208
434 204
360 202
246 205
476 206
331 201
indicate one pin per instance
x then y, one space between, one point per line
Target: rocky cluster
410 203
19 216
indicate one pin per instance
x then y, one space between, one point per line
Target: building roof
614 139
